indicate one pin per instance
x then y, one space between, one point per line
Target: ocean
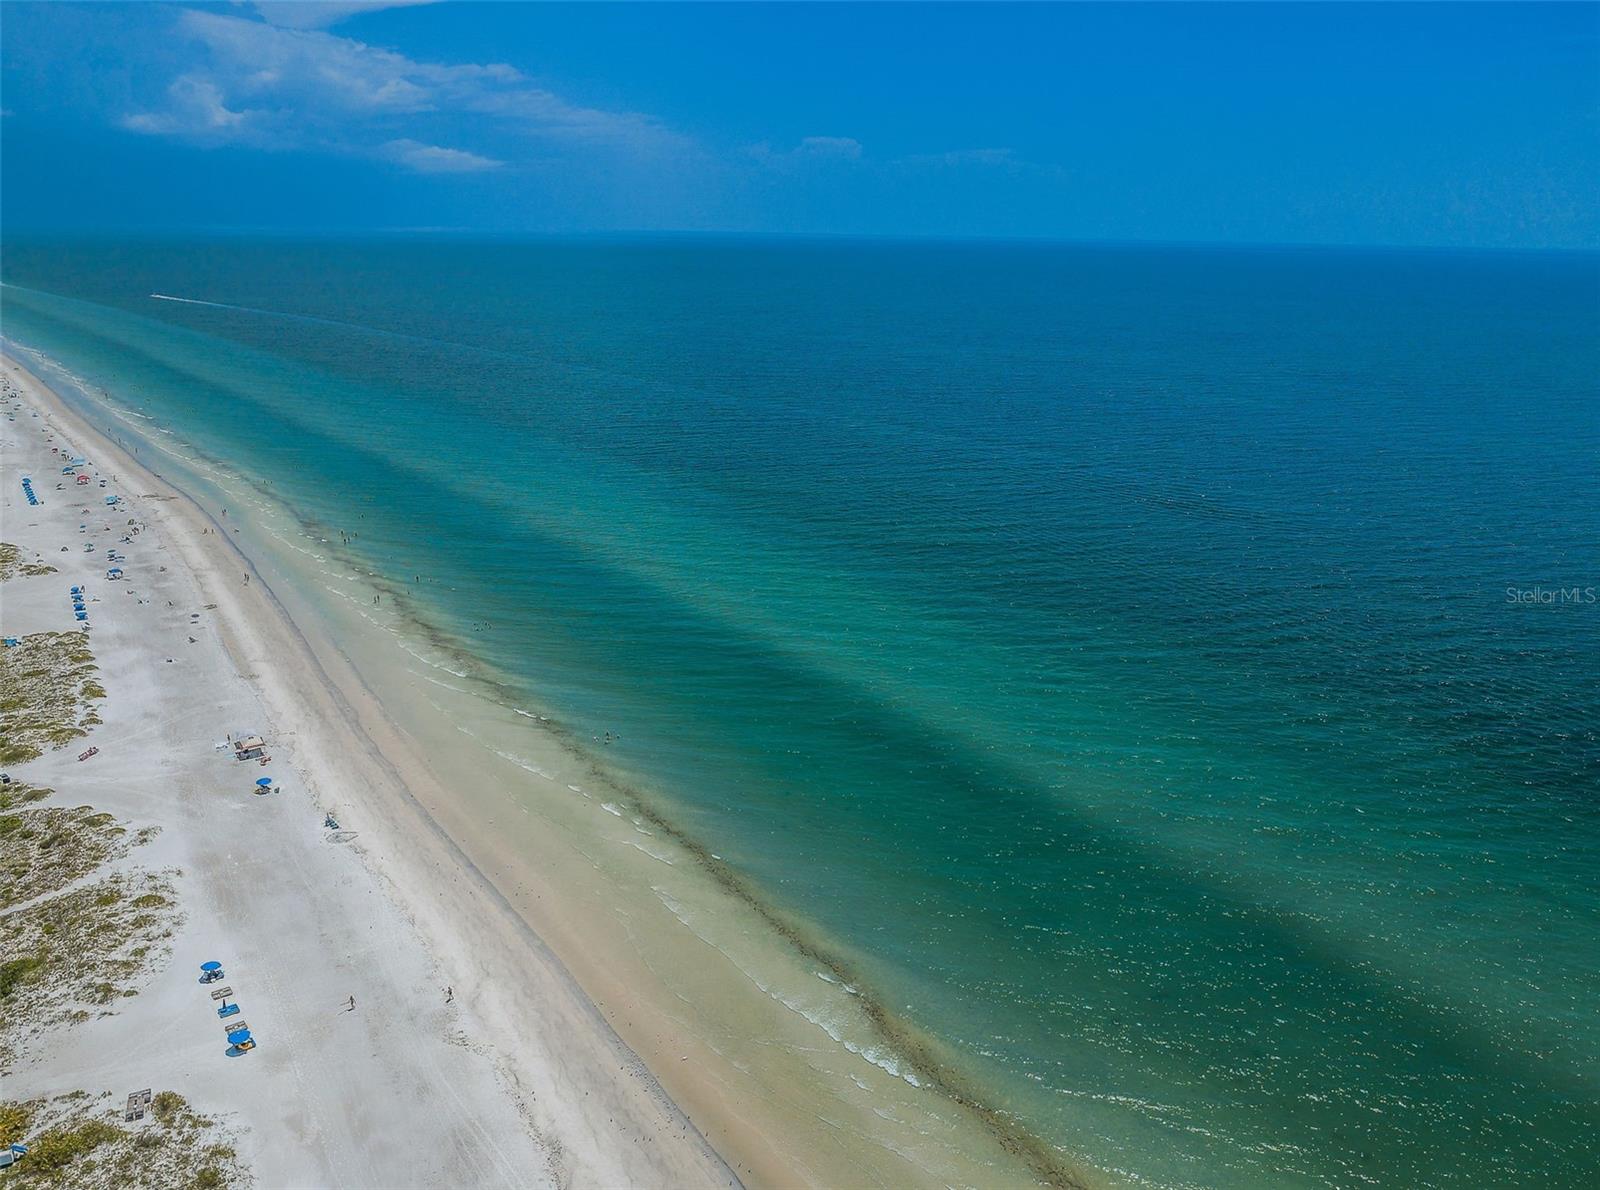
1164 682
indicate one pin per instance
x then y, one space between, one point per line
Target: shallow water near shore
1108 667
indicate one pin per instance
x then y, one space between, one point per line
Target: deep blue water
1106 653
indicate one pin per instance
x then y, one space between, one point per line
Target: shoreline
747 1132
342 737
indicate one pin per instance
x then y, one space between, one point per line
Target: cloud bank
277 86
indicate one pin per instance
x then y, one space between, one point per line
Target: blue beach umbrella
211 966
263 782
239 1038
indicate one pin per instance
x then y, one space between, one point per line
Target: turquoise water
1105 654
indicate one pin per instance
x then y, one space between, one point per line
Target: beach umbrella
239 1038
263 782
211 966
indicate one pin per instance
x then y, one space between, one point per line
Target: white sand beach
517 1081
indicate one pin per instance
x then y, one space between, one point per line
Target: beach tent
114 573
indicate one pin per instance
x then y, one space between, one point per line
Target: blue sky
1438 124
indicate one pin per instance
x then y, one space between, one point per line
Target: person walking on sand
449 995
352 1007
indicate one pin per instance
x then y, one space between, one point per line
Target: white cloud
279 87
842 147
958 157
195 106
319 14
435 159
811 150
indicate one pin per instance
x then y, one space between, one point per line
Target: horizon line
468 234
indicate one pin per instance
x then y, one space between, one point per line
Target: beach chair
221 993
228 1010
138 1101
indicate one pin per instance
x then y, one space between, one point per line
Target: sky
1438 124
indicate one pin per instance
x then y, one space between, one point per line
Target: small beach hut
250 747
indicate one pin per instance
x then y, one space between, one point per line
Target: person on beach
449 994
352 1007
